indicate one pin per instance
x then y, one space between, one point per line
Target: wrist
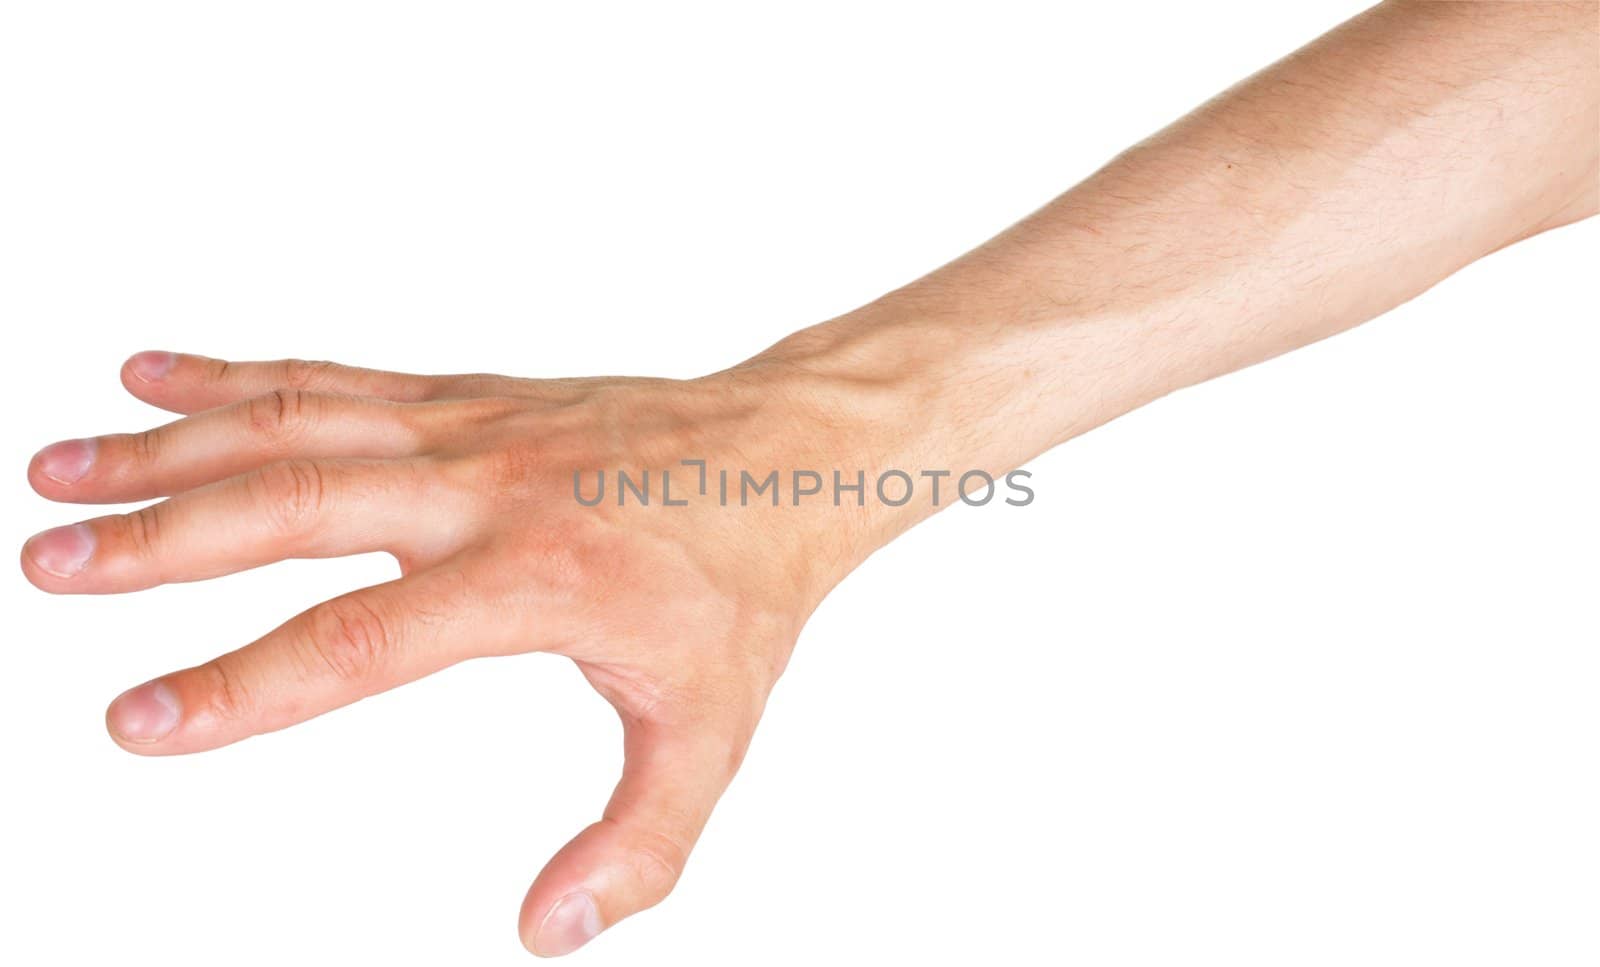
929 409
961 383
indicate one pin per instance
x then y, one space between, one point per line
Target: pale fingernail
152 366
66 462
62 551
144 714
570 924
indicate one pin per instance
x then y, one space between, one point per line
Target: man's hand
681 616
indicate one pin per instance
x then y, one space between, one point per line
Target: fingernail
152 366
570 924
66 462
148 713
62 551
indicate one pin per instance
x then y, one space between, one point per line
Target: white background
1298 667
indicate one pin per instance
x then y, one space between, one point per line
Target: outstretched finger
632 858
289 509
336 653
186 383
219 443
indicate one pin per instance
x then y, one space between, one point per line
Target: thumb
631 859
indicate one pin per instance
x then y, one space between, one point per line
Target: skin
1330 187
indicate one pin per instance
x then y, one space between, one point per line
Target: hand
682 617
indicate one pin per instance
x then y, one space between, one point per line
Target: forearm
1328 188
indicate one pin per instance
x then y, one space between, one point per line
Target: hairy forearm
1328 188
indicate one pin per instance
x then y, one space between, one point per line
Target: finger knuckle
421 427
350 638
294 492
227 697
467 386
658 860
306 373
281 414
144 448
144 527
